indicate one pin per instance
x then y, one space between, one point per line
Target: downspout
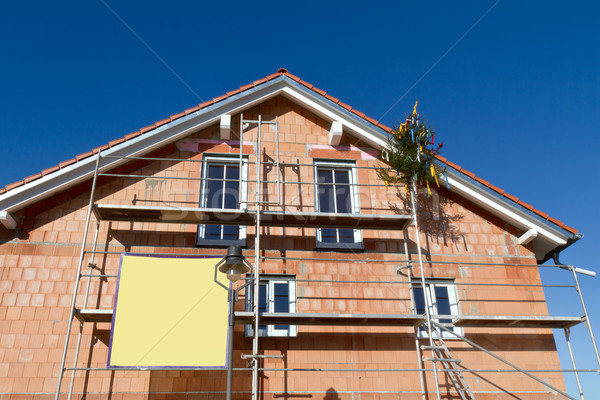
554 253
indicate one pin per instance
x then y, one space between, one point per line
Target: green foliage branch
411 153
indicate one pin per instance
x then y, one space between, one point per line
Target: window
442 297
277 294
337 193
220 189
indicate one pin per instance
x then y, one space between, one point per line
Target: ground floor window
277 294
443 301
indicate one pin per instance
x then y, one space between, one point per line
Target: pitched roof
280 72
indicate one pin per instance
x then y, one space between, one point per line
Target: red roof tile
468 173
206 103
233 92
293 77
115 142
344 105
527 206
455 166
496 189
217 99
32 177
260 81
162 122
191 110
540 213
482 181
280 72
50 170
84 155
67 163
371 120
321 92
329 97
14 185
101 148
133 135
513 198
308 85
362 115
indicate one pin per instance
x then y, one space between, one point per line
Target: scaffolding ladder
450 364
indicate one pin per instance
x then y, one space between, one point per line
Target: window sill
220 243
340 246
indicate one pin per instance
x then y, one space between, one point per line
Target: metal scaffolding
261 215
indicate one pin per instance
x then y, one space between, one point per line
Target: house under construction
353 292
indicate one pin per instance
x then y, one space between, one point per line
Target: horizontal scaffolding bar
363 261
345 319
218 216
341 370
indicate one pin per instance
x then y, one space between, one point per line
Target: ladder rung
432 347
450 360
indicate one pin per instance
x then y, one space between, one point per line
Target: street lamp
233 264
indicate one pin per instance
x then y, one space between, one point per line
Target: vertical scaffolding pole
413 202
588 323
85 302
241 155
277 159
255 340
77 280
568 339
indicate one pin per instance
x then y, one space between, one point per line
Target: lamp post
233 264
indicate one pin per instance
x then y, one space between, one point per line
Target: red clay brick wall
38 265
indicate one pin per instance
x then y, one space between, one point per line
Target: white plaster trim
7 220
335 133
225 127
527 236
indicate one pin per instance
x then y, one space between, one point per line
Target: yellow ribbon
434 175
415 108
386 184
429 190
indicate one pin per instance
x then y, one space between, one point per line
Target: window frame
224 159
354 198
269 281
453 299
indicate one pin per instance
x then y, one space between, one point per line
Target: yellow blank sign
169 313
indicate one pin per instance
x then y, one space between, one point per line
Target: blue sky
515 100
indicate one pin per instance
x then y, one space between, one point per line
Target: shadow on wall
434 218
331 394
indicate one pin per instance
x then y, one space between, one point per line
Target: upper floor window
337 192
443 300
277 294
220 189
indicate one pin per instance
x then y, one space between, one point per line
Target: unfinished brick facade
39 260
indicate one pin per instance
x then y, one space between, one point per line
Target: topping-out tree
411 154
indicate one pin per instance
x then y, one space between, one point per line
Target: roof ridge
280 72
